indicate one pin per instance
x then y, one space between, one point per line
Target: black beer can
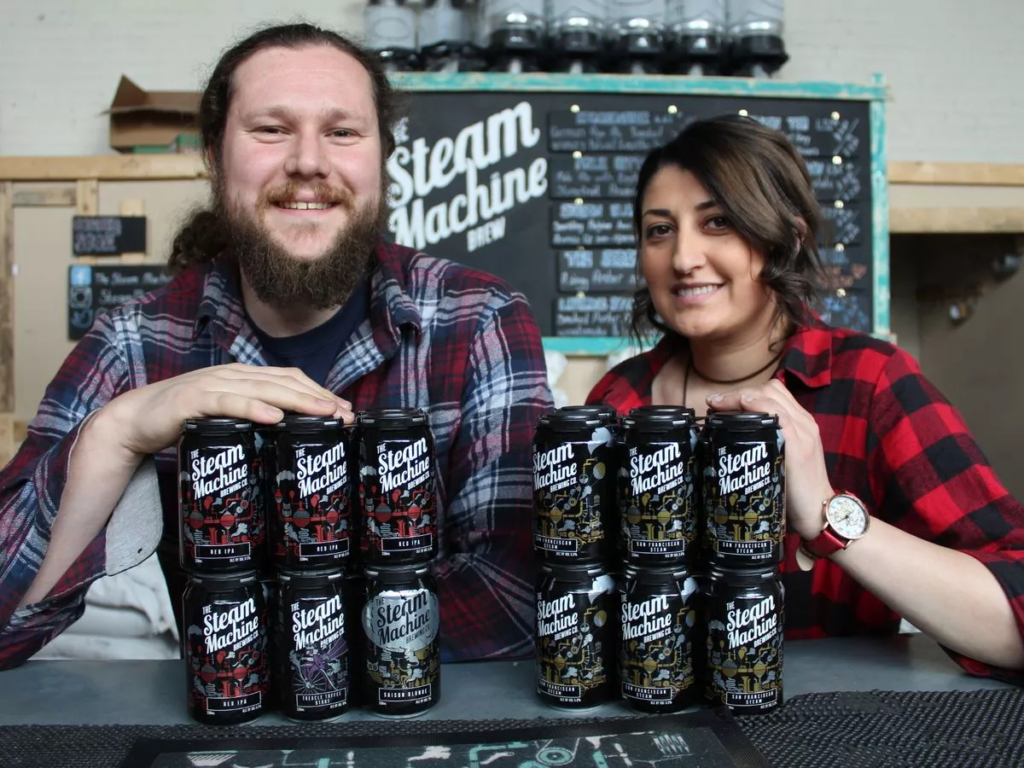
576 641
311 468
744 490
224 641
610 512
401 622
745 619
658 487
573 487
397 487
312 644
355 601
221 522
658 651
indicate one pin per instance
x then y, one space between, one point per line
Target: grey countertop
153 692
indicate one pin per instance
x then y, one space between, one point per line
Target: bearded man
285 299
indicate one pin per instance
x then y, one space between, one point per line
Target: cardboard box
140 118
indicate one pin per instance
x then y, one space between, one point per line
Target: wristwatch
846 520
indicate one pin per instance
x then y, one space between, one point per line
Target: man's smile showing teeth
306 206
697 291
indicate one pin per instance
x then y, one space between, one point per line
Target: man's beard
283 281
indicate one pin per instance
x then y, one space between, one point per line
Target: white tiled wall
954 66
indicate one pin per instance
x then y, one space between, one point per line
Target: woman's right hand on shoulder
146 420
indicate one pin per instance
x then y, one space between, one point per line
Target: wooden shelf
102 167
971 174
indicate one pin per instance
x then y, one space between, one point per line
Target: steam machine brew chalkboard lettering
537 188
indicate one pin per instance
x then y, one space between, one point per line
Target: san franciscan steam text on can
396 487
658 652
310 468
573 488
658 487
745 614
312 644
744 490
575 635
221 522
402 626
225 648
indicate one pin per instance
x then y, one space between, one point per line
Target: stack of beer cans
660 544
307 546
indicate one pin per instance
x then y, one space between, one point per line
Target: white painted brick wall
954 66
60 60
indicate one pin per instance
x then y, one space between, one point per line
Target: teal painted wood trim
880 218
657 84
598 346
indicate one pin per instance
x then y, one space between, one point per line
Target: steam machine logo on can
403 659
574 642
398 498
745 654
312 500
744 498
569 489
226 657
220 524
658 486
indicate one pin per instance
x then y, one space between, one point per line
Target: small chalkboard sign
95 290
108 235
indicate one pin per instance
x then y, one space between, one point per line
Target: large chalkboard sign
95 290
537 187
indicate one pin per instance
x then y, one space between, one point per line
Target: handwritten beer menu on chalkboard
538 188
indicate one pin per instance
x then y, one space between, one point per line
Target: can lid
320 576
603 411
652 573
741 421
395 573
303 423
659 421
570 421
224 580
573 570
390 418
744 575
673 409
216 426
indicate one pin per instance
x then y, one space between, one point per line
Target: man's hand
149 419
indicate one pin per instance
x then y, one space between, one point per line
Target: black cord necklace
690 367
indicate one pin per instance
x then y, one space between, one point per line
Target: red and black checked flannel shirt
893 440
442 337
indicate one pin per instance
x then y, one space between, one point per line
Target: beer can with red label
225 648
221 525
310 467
397 487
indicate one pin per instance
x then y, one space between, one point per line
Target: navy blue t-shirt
315 351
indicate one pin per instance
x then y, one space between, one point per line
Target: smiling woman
890 504
749 185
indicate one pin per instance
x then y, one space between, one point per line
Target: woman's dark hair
759 181
204 236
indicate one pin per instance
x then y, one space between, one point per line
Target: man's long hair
205 234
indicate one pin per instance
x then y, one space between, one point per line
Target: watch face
848 516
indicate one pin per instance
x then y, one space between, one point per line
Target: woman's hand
807 483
